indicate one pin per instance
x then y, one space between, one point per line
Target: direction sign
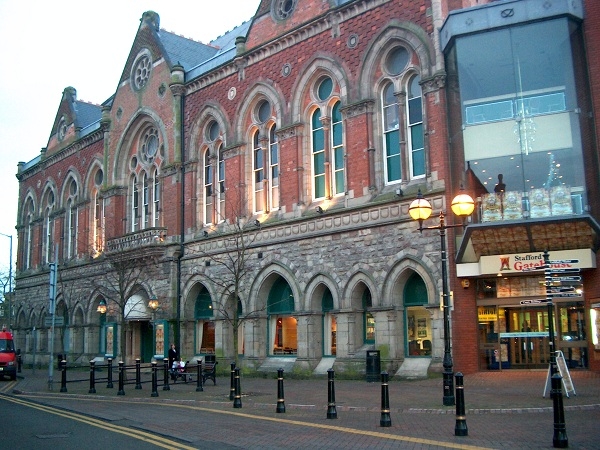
530 302
563 294
560 289
563 261
565 278
564 270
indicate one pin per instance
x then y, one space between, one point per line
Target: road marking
151 438
9 386
348 430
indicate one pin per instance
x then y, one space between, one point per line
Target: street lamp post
420 209
9 280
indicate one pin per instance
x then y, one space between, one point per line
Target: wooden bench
209 369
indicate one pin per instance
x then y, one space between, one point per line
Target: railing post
109 382
386 419
331 409
166 386
280 399
63 378
199 387
92 389
154 381
237 399
138 373
121 378
460 429
232 388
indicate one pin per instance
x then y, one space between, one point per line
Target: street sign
564 270
561 289
563 294
563 261
566 278
531 302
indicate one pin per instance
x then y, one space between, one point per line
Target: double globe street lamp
420 209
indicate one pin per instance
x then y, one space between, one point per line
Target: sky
47 46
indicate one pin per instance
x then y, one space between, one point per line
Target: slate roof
184 51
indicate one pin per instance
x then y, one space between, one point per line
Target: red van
8 356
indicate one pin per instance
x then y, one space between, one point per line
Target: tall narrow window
71 229
221 180
98 219
29 234
135 205
273 169
48 232
72 221
337 140
259 173
146 200
208 189
391 136
156 198
415 128
98 222
318 155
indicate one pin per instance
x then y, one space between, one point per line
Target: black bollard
331 410
460 429
560 439
199 387
166 386
63 378
109 383
237 399
154 380
92 389
232 388
386 419
121 378
138 373
280 399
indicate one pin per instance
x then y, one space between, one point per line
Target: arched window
327 146
416 143
48 227
392 160
273 169
135 204
146 201
29 210
98 212
72 225
208 189
213 174
156 198
259 173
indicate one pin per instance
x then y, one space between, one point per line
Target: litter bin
373 366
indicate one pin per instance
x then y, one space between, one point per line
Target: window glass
518 108
325 88
396 61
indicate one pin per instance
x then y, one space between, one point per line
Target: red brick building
251 196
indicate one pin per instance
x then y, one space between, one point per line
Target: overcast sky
49 45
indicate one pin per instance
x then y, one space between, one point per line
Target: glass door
527 337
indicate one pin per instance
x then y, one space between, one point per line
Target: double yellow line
375 434
157 440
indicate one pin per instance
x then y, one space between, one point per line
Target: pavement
504 409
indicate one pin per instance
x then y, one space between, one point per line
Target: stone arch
315 289
313 71
353 296
402 33
263 282
393 287
144 118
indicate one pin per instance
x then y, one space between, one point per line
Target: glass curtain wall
519 117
